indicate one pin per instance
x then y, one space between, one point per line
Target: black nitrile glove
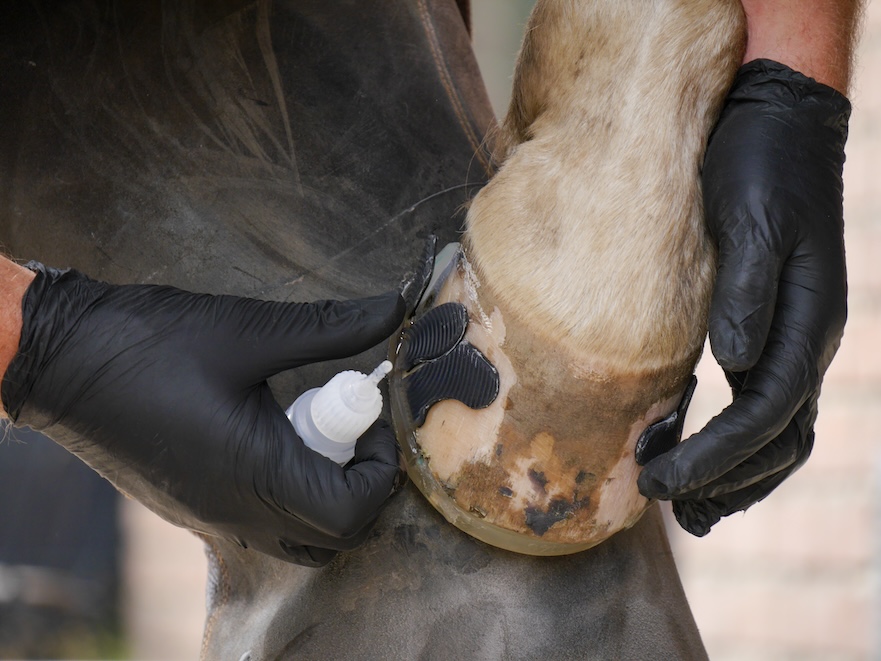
773 199
164 393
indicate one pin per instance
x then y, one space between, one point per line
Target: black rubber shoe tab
662 436
463 374
436 333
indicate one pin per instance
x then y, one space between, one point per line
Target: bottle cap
349 403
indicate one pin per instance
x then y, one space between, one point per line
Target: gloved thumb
278 336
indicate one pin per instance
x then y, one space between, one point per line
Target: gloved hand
773 198
164 393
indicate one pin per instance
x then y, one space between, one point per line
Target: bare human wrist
814 37
15 280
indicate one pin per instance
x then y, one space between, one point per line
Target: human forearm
15 280
815 37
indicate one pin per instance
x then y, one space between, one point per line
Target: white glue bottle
331 418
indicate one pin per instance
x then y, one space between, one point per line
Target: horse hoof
513 441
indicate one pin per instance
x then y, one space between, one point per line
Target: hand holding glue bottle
213 356
332 418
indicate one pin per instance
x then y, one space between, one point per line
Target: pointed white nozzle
360 394
379 373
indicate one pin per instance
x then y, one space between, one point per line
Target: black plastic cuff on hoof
463 374
435 334
662 436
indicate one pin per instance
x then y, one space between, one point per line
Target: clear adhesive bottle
330 419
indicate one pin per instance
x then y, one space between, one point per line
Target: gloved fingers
728 440
272 337
743 216
375 472
789 448
699 516
340 505
379 449
745 291
736 380
784 378
307 556
371 478
378 443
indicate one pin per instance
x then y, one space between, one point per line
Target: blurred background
796 577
